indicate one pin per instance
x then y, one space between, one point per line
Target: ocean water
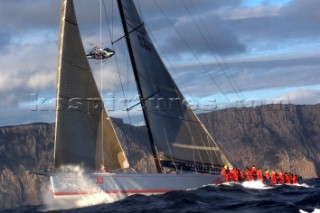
229 197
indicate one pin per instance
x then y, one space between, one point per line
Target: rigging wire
108 24
102 115
195 152
224 66
111 31
192 52
140 11
169 62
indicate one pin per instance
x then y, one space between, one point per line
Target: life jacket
291 177
248 174
225 173
287 179
294 179
235 174
230 175
274 177
259 175
281 178
267 175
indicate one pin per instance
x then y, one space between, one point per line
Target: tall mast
135 72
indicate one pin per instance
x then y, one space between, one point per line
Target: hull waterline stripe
115 192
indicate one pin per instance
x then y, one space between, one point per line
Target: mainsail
176 131
84 134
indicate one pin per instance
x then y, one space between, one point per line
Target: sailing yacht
185 154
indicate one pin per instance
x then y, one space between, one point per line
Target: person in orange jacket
287 178
241 176
254 172
248 174
235 173
281 178
260 175
226 173
266 174
274 177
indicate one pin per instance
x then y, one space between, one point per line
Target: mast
135 72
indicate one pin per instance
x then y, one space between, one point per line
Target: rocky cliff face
23 148
275 136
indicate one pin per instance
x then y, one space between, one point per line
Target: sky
220 53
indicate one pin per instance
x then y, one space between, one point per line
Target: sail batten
84 134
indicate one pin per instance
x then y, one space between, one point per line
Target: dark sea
246 197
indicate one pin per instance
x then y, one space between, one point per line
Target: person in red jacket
281 178
266 174
274 177
248 174
241 176
260 175
226 173
254 172
235 173
287 178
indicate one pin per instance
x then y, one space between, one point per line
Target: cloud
256 47
276 27
5 39
20 17
247 74
302 96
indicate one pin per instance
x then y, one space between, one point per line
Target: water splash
85 184
315 211
256 185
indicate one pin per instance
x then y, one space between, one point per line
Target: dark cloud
249 75
174 9
299 19
193 28
207 37
23 16
5 40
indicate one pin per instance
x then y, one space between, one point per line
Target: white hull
69 185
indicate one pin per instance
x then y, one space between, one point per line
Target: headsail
176 130
84 133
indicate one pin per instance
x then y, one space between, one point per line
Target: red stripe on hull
116 192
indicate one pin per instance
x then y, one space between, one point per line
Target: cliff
275 136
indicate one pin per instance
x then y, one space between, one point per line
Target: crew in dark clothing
294 179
